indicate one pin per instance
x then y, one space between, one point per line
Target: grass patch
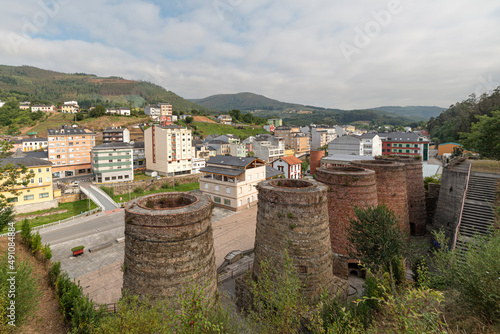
486 166
74 208
181 187
206 129
141 177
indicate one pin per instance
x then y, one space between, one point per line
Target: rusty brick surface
293 214
347 187
391 188
168 245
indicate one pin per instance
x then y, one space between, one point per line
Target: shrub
26 232
36 242
46 252
164 186
138 190
432 179
108 190
77 248
54 273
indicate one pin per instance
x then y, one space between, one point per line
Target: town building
290 166
211 137
160 112
300 143
231 181
405 144
113 162
119 111
321 135
139 154
116 134
372 144
275 121
38 193
16 144
70 150
42 107
267 147
34 144
349 144
24 105
168 149
204 151
198 163
286 132
225 119
222 147
238 150
230 138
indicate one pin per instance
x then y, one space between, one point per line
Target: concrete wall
36 206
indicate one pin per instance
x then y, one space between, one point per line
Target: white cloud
425 53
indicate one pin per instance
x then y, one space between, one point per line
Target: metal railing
455 237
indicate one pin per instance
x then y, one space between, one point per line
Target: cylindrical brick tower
293 215
347 187
168 245
315 160
391 188
415 190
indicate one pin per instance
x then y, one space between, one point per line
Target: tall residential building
139 155
38 193
168 149
113 162
287 132
405 143
115 134
70 150
160 112
300 143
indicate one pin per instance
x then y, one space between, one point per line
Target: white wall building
290 166
372 144
350 145
198 163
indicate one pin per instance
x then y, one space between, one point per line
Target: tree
189 120
304 165
235 114
484 137
98 111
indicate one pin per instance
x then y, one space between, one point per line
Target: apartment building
291 166
231 181
372 144
349 145
42 107
321 135
266 147
113 162
405 143
168 149
225 119
70 107
24 105
139 154
119 111
116 134
300 143
70 150
287 132
160 112
38 193
34 144
198 164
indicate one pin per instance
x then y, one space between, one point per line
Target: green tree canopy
484 137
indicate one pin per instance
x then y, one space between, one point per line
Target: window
227 201
47 169
217 199
249 187
228 190
39 170
48 178
216 188
206 185
12 200
241 190
32 181
44 195
40 180
29 197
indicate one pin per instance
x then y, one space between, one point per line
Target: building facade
116 134
168 149
44 108
267 147
34 144
350 145
405 143
70 150
225 119
139 155
113 162
372 144
290 166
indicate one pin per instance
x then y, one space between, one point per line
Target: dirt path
47 318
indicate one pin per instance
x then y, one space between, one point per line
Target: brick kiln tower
415 190
391 188
315 160
293 214
168 243
347 187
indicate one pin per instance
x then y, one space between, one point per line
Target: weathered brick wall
415 190
293 214
168 248
431 200
347 187
391 188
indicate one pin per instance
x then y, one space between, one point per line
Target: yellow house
38 193
289 151
69 108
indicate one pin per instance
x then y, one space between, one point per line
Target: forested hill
422 112
38 85
459 117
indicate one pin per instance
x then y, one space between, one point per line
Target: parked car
74 183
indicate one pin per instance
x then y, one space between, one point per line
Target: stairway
477 214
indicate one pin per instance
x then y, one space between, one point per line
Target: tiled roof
21 158
291 160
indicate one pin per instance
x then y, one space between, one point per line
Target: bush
432 179
26 232
36 242
54 273
108 190
46 252
138 190
77 248
164 186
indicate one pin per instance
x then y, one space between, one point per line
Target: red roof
291 160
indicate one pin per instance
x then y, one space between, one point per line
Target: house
38 193
16 144
275 121
198 163
70 150
238 150
70 107
231 181
209 138
349 144
225 119
372 144
290 166
139 154
113 162
24 105
405 144
230 138
267 147
222 147
204 151
44 108
116 134
168 149
33 144
119 111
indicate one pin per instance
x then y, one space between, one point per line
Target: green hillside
38 85
243 132
418 112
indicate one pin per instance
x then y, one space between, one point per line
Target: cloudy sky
335 53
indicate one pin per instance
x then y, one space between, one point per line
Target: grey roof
210 148
139 144
38 154
195 142
218 141
223 171
348 157
228 160
112 145
369 135
16 141
33 139
272 172
172 126
211 137
117 130
68 130
400 136
21 158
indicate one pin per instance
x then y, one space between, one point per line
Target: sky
337 53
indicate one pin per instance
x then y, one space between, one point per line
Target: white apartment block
113 162
372 144
168 149
160 112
